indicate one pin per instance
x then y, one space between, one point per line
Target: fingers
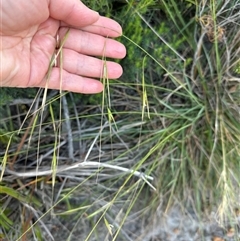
105 27
72 82
84 65
92 44
72 12
78 73
89 36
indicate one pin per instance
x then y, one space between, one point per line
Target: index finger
72 12
104 26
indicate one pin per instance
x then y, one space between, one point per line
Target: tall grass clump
191 140
167 131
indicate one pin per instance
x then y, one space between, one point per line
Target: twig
68 127
82 165
94 141
39 220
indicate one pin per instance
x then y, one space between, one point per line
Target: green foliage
5 222
18 195
5 96
5 136
135 27
237 68
8 94
101 6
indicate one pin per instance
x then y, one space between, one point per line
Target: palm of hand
29 43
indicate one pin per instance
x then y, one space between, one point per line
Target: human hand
28 40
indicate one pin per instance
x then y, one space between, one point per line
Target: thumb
72 12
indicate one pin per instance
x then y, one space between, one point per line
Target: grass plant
167 131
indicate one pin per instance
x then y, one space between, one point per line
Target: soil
177 224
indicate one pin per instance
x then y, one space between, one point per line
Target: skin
28 40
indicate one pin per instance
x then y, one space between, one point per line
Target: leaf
4 161
15 194
109 226
5 222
